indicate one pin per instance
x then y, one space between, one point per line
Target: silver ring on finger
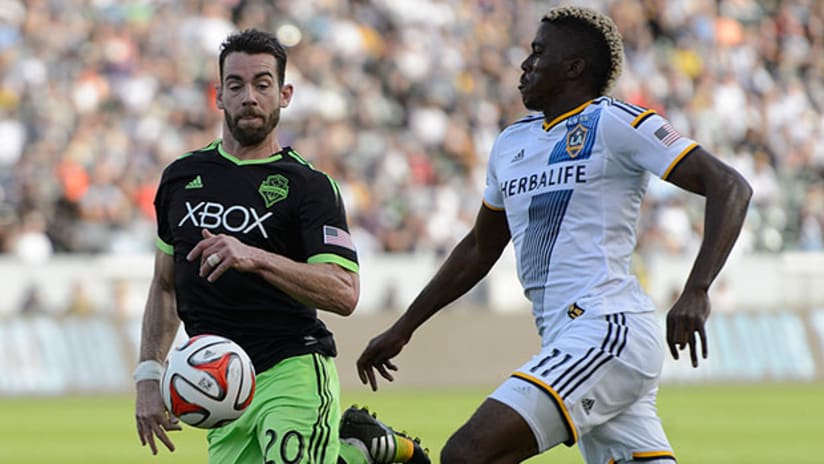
213 260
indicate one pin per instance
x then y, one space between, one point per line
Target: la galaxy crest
274 189
576 140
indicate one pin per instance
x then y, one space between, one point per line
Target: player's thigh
634 435
301 425
494 433
293 418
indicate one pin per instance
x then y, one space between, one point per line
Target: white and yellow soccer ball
208 381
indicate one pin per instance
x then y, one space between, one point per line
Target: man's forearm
160 324
726 208
325 286
461 271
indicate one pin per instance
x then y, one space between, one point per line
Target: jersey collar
549 125
241 162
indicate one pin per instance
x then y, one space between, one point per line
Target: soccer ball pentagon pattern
208 381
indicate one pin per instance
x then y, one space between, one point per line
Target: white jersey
572 189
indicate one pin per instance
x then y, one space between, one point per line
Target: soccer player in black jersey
252 241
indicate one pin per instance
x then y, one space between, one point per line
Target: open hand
378 355
153 420
686 319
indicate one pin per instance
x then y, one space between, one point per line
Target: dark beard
251 136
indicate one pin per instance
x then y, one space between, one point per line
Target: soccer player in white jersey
566 187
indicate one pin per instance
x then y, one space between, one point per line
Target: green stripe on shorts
293 418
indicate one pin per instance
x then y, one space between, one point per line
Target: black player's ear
575 67
219 96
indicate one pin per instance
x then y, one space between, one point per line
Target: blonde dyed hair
603 25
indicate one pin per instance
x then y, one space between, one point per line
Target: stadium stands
400 102
96 97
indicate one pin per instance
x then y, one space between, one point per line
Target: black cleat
384 445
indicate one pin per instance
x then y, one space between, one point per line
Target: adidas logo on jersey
195 183
518 157
587 404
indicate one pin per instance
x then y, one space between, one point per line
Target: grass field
706 424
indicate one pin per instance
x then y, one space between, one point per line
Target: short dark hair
597 38
253 41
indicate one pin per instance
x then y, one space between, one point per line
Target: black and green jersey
280 204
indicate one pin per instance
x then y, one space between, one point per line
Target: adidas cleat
383 444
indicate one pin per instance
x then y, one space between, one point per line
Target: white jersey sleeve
646 142
493 198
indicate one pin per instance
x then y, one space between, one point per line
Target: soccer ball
208 381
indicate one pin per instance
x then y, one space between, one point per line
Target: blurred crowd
399 101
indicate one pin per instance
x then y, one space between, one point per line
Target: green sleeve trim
335 185
334 259
300 159
164 247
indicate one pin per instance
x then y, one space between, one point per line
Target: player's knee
457 451
464 447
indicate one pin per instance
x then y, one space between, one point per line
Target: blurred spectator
80 303
32 303
399 101
30 243
811 237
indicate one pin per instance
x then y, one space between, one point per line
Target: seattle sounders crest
273 189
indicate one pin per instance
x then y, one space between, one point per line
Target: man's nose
526 64
248 96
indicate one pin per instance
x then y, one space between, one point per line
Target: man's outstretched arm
466 265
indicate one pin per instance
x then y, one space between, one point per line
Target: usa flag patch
667 134
337 236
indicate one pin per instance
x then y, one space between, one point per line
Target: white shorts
595 384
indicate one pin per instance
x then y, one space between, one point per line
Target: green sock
351 454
